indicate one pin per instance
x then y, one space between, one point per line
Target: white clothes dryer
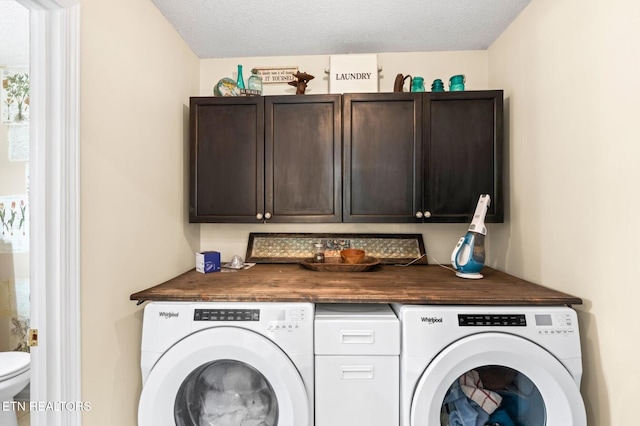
477 365
235 364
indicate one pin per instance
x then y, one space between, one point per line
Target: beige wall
136 78
569 69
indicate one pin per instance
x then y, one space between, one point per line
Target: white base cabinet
357 365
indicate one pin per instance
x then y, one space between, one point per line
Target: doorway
14 186
52 186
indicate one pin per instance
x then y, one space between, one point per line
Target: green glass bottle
240 81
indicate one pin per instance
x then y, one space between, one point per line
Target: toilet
14 376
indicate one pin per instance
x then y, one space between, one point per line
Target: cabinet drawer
366 337
357 390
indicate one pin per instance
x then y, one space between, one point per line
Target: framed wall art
14 95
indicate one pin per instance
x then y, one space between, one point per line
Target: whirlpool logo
168 315
431 320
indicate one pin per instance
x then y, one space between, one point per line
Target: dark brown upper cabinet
226 159
275 159
462 156
367 157
382 157
422 157
303 165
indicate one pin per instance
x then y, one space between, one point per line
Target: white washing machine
470 365
235 364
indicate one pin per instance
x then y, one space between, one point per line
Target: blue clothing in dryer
500 417
515 406
463 411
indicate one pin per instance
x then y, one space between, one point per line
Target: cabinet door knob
427 214
418 215
259 216
267 215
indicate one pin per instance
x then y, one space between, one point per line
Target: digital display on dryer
543 320
226 315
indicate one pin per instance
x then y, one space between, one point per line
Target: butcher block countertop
416 284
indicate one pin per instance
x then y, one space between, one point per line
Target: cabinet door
463 154
226 159
303 143
382 157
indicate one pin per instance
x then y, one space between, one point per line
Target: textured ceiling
14 34
224 28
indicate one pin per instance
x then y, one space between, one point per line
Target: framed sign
272 75
391 249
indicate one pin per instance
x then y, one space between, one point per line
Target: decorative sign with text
353 73
271 75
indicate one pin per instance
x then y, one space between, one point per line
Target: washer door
524 384
224 375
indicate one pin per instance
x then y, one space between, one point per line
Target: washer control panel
226 315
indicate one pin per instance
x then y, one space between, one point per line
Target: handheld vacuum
468 255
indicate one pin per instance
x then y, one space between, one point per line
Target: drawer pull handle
357 372
356 336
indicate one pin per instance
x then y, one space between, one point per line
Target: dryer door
496 378
227 376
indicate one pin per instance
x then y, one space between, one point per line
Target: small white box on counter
353 73
208 261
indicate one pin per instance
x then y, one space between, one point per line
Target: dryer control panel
555 324
543 323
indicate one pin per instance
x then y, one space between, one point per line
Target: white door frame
54 197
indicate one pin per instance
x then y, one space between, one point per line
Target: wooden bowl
352 256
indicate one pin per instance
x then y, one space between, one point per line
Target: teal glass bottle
437 86
240 82
417 85
456 83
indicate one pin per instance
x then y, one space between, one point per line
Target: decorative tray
367 264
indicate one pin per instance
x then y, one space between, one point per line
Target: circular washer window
226 392
493 394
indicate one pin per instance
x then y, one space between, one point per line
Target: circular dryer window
226 392
493 394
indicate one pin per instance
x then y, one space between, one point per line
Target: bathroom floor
23 417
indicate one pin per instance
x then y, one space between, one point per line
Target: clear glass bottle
255 82
240 81
318 253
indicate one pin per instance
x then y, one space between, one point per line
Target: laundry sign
353 73
272 75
